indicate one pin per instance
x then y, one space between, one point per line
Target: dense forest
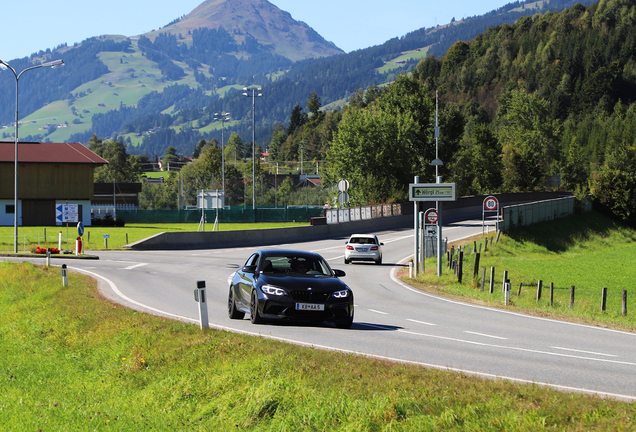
339 77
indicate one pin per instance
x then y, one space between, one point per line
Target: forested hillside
553 94
217 61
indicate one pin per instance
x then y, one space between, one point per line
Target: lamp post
254 94
225 116
54 63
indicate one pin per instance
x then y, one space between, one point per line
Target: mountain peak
260 19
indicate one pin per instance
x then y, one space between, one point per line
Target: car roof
279 252
363 235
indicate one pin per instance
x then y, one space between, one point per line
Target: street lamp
253 95
3 65
225 116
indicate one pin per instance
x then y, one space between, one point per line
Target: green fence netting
227 215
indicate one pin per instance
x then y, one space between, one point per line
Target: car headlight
341 294
272 290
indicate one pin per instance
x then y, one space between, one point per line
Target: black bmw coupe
290 285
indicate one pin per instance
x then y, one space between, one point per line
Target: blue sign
80 229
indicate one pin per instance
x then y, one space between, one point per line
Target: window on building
9 209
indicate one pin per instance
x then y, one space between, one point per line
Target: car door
246 280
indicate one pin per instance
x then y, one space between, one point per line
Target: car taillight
349 247
374 248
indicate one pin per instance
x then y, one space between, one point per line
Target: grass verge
31 237
588 251
71 360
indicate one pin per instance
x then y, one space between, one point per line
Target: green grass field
71 360
588 251
31 237
417 54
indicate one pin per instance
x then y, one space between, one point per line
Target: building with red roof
49 175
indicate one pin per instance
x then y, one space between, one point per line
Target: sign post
434 192
491 205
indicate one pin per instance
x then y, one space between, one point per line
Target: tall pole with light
3 65
255 92
437 163
224 116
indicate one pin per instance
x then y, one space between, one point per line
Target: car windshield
294 264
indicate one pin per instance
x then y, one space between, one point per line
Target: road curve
392 320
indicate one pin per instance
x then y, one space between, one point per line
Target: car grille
309 296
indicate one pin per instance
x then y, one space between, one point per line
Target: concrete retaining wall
462 209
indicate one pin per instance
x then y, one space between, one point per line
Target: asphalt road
392 320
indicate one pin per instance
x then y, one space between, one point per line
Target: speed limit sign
491 204
431 216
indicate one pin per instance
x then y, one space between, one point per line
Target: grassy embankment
588 251
72 361
94 236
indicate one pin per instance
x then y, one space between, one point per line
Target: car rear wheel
232 312
345 324
379 261
255 315
346 261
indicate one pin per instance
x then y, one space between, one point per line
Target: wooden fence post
539 286
492 279
603 298
551 293
519 292
476 268
460 271
483 277
624 302
572 297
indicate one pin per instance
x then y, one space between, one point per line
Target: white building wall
7 219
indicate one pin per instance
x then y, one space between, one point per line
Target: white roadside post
199 296
48 257
59 241
64 276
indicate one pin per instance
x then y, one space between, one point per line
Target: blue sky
33 25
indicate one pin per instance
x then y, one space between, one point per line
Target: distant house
49 175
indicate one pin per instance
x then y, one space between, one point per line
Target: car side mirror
249 269
381 244
339 273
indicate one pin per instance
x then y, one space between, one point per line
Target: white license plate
310 307
362 249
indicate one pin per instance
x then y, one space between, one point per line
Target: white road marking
377 311
485 335
528 350
421 322
585 352
135 266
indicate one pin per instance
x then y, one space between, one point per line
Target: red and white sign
491 204
431 216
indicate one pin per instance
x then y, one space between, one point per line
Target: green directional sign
432 192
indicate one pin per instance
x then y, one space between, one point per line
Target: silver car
363 247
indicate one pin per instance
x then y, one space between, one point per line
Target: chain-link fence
227 215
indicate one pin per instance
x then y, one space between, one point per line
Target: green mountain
162 89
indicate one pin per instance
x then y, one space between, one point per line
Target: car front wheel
255 315
345 324
232 312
